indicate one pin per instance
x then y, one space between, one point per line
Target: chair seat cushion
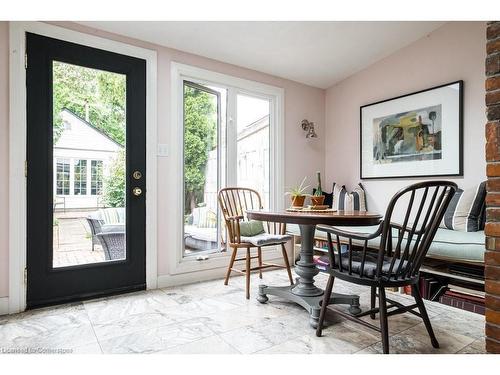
116 228
265 239
369 269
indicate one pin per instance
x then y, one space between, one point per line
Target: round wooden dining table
304 292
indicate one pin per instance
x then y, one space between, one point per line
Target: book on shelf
429 287
470 271
466 291
463 302
321 262
322 244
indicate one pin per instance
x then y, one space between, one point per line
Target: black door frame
80 282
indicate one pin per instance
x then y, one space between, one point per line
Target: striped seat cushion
465 210
345 201
113 215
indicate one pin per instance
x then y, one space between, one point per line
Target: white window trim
88 176
54 166
17 148
177 263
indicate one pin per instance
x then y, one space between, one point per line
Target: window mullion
71 176
231 134
88 176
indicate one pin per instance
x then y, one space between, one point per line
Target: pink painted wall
4 158
302 156
454 51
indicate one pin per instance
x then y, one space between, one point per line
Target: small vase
298 200
317 200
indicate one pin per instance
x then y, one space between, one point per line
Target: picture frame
419 134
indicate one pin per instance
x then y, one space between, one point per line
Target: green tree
100 94
200 125
114 183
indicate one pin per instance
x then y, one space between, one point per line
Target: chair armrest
348 234
235 218
406 229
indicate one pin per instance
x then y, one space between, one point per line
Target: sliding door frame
190 266
18 138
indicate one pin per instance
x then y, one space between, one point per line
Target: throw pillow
251 228
345 201
482 217
339 193
465 209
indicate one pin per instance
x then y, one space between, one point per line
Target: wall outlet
162 149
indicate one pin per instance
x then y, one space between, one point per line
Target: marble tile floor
210 318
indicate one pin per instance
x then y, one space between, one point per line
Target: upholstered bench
451 245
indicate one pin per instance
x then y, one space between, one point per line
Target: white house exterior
82 157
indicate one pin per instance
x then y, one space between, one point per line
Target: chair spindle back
405 244
234 202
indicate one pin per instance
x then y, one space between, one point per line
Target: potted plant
318 198
298 195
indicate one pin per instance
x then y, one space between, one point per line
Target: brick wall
492 229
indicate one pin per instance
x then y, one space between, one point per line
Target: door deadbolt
137 191
137 175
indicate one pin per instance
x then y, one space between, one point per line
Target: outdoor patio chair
113 244
60 201
234 202
397 261
106 220
95 228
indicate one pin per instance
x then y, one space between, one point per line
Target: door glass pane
89 165
62 177
80 177
203 106
252 144
96 177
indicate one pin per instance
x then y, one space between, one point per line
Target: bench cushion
447 244
114 215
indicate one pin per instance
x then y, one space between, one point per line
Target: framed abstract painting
414 135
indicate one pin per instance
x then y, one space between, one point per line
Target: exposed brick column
492 229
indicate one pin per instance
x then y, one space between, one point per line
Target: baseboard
4 305
166 281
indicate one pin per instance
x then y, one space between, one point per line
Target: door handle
137 191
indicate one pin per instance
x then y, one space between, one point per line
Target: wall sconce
309 128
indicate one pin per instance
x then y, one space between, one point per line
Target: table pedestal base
311 303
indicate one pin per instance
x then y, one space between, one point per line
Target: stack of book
321 262
464 298
321 244
470 271
430 288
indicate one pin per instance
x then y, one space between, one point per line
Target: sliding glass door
226 142
202 167
252 144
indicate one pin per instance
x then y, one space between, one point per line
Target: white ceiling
319 54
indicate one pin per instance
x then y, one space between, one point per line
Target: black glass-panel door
86 178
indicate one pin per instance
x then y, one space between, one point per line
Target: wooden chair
401 252
234 202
